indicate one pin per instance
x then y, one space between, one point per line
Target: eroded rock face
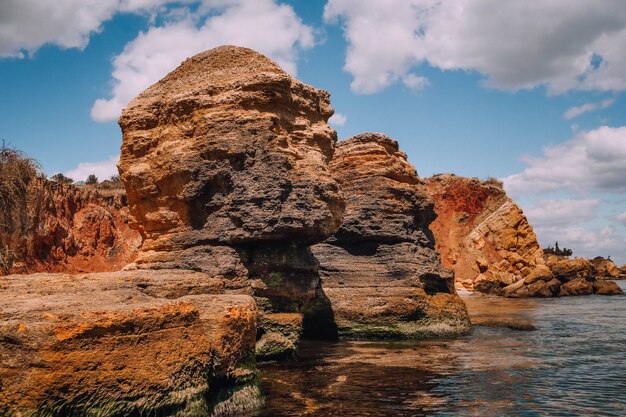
125 343
380 274
481 233
225 165
485 237
229 149
64 228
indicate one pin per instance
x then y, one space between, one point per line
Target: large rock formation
380 274
481 233
605 268
59 227
485 237
225 166
125 343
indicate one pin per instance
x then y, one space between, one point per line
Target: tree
62 179
557 251
115 178
91 179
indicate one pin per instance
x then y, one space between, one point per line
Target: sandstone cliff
125 343
381 276
59 227
485 237
225 166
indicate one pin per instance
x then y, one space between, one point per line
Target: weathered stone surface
228 148
125 343
381 277
482 234
64 228
225 165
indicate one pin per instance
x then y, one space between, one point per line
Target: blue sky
530 92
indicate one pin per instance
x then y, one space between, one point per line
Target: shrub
115 178
60 178
495 182
557 251
91 179
16 172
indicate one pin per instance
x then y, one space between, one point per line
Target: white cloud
264 25
26 25
585 242
101 169
573 112
562 44
562 212
621 218
593 159
414 82
337 119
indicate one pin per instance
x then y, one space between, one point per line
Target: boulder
381 277
225 162
576 286
603 287
569 269
605 268
125 343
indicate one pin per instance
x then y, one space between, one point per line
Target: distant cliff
60 227
485 237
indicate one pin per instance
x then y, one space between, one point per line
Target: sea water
574 364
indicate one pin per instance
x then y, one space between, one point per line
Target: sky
528 92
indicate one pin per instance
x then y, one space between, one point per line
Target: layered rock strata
485 237
381 276
225 166
125 343
60 227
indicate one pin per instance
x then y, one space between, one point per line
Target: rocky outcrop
225 166
605 268
381 277
154 343
485 237
481 233
63 228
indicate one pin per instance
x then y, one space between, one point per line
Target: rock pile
381 276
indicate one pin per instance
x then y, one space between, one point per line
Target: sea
573 364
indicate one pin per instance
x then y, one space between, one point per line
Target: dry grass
16 172
495 182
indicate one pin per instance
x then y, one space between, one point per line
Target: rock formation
154 343
225 166
605 268
63 228
485 237
381 277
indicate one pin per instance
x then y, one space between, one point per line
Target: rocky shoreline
248 226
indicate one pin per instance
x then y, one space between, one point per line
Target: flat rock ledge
125 343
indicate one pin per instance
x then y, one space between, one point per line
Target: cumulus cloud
264 25
573 112
562 44
337 119
593 159
101 169
26 25
562 212
585 242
